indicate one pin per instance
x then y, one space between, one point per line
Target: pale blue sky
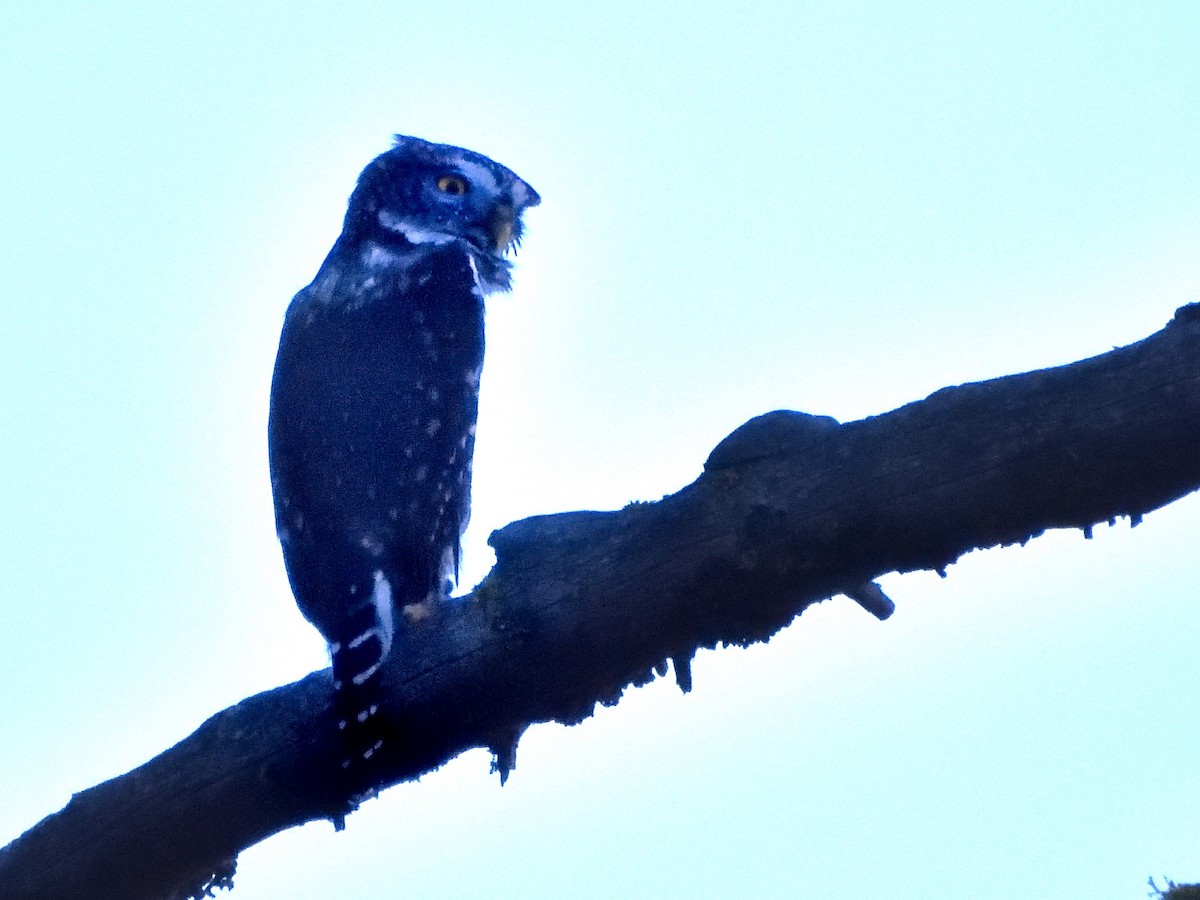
816 206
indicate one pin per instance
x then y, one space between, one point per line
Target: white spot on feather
381 598
377 256
522 194
477 288
413 233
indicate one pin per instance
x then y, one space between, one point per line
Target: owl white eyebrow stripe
480 176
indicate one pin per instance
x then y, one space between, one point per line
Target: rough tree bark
790 509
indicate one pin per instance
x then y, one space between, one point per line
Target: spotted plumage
374 403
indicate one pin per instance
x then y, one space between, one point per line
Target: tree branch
790 509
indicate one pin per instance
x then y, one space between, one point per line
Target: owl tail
357 680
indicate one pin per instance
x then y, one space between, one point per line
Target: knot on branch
782 432
1188 314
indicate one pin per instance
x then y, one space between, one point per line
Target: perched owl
374 402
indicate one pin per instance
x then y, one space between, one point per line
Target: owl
373 408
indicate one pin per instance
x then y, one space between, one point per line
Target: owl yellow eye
452 184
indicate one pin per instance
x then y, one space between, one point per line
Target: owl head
421 193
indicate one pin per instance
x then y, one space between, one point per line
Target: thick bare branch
791 509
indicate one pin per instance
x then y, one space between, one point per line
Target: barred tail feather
357 678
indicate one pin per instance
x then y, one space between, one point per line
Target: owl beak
503 228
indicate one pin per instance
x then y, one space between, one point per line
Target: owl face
424 194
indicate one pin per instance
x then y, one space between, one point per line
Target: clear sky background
831 207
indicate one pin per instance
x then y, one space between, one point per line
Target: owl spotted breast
373 408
